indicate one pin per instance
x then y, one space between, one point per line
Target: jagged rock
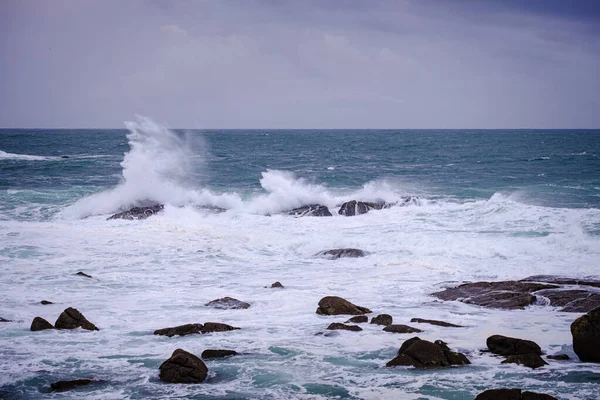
424 354
560 280
68 385
138 212
311 210
46 302
571 300
339 326
586 336
183 367
218 353
435 322
559 357
398 328
512 394
40 324
83 274
529 360
382 319
71 318
341 253
5 320
181 330
334 305
508 346
210 327
277 285
359 319
353 207
227 303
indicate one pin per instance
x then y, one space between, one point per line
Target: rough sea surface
486 205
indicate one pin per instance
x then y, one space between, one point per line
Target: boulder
353 207
508 346
311 210
398 328
181 330
183 367
138 212
83 274
420 353
210 327
218 353
359 319
40 324
512 394
277 285
334 305
382 319
559 357
46 302
227 303
341 253
528 360
68 385
339 326
586 336
435 322
71 318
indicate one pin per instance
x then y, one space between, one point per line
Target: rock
327 334
218 353
311 210
586 336
4 320
138 212
571 300
424 354
529 360
333 305
397 328
342 253
435 322
382 319
508 346
353 207
46 302
512 394
40 324
277 285
339 326
183 367
536 396
210 327
560 357
71 318
560 280
68 385
227 303
181 330
359 319
64 156
83 274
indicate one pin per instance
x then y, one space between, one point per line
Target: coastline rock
311 210
71 318
359 319
277 285
218 353
530 360
353 207
586 336
46 302
512 394
339 326
4 320
342 253
559 357
334 305
423 354
435 322
398 328
181 330
83 274
560 280
227 303
382 319
138 212
68 385
571 300
183 367
40 324
508 346
210 327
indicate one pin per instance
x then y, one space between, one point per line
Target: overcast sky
301 64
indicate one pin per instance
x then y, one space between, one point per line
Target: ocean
483 205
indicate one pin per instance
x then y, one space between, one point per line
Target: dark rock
508 346
339 326
138 212
46 302
407 343
218 353
227 303
353 207
40 324
64 156
327 334
382 319
571 300
183 367
560 280
529 360
397 328
435 322
5 320
277 285
359 319
512 394
342 253
210 327
333 305
71 318
181 330
424 354
311 210
83 274
560 357
586 336
68 385
536 396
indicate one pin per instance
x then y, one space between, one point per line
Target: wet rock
71 318
218 353
512 394
181 330
334 305
277 285
359 319
46 302
227 303
138 212
40 324
571 300
528 360
424 354
508 346
83 274
559 357
339 326
64 156
561 280
353 207
398 328
210 327
183 367
435 322
311 210
68 385
586 336
5 320
327 334
342 253
382 319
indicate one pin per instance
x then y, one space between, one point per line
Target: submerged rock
339 326
80 273
40 324
181 330
435 322
398 328
5 320
68 385
559 357
311 210
334 305
218 353
359 319
423 354
512 394
46 302
226 303
586 336
138 212
382 319
528 360
183 367
71 318
277 285
342 253
508 346
210 327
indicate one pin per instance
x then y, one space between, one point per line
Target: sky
200 64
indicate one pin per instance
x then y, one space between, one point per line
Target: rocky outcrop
359 319
528 360
210 327
138 212
80 273
227 303
561 280
398 328
68 385
71 318
218 353
435 322
40 324
382 319
353 207
181 330
339 326
311 210
341 253
586 336
277 285
576 300
423 354
334 305
46 302
509 346
512 394
183 367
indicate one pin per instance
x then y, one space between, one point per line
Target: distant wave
27 157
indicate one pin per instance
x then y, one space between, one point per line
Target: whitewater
484 206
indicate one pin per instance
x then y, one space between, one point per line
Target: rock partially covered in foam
311 210
423 354
341 253
138 212
227 303
181 330
586 336
334 305
353 207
